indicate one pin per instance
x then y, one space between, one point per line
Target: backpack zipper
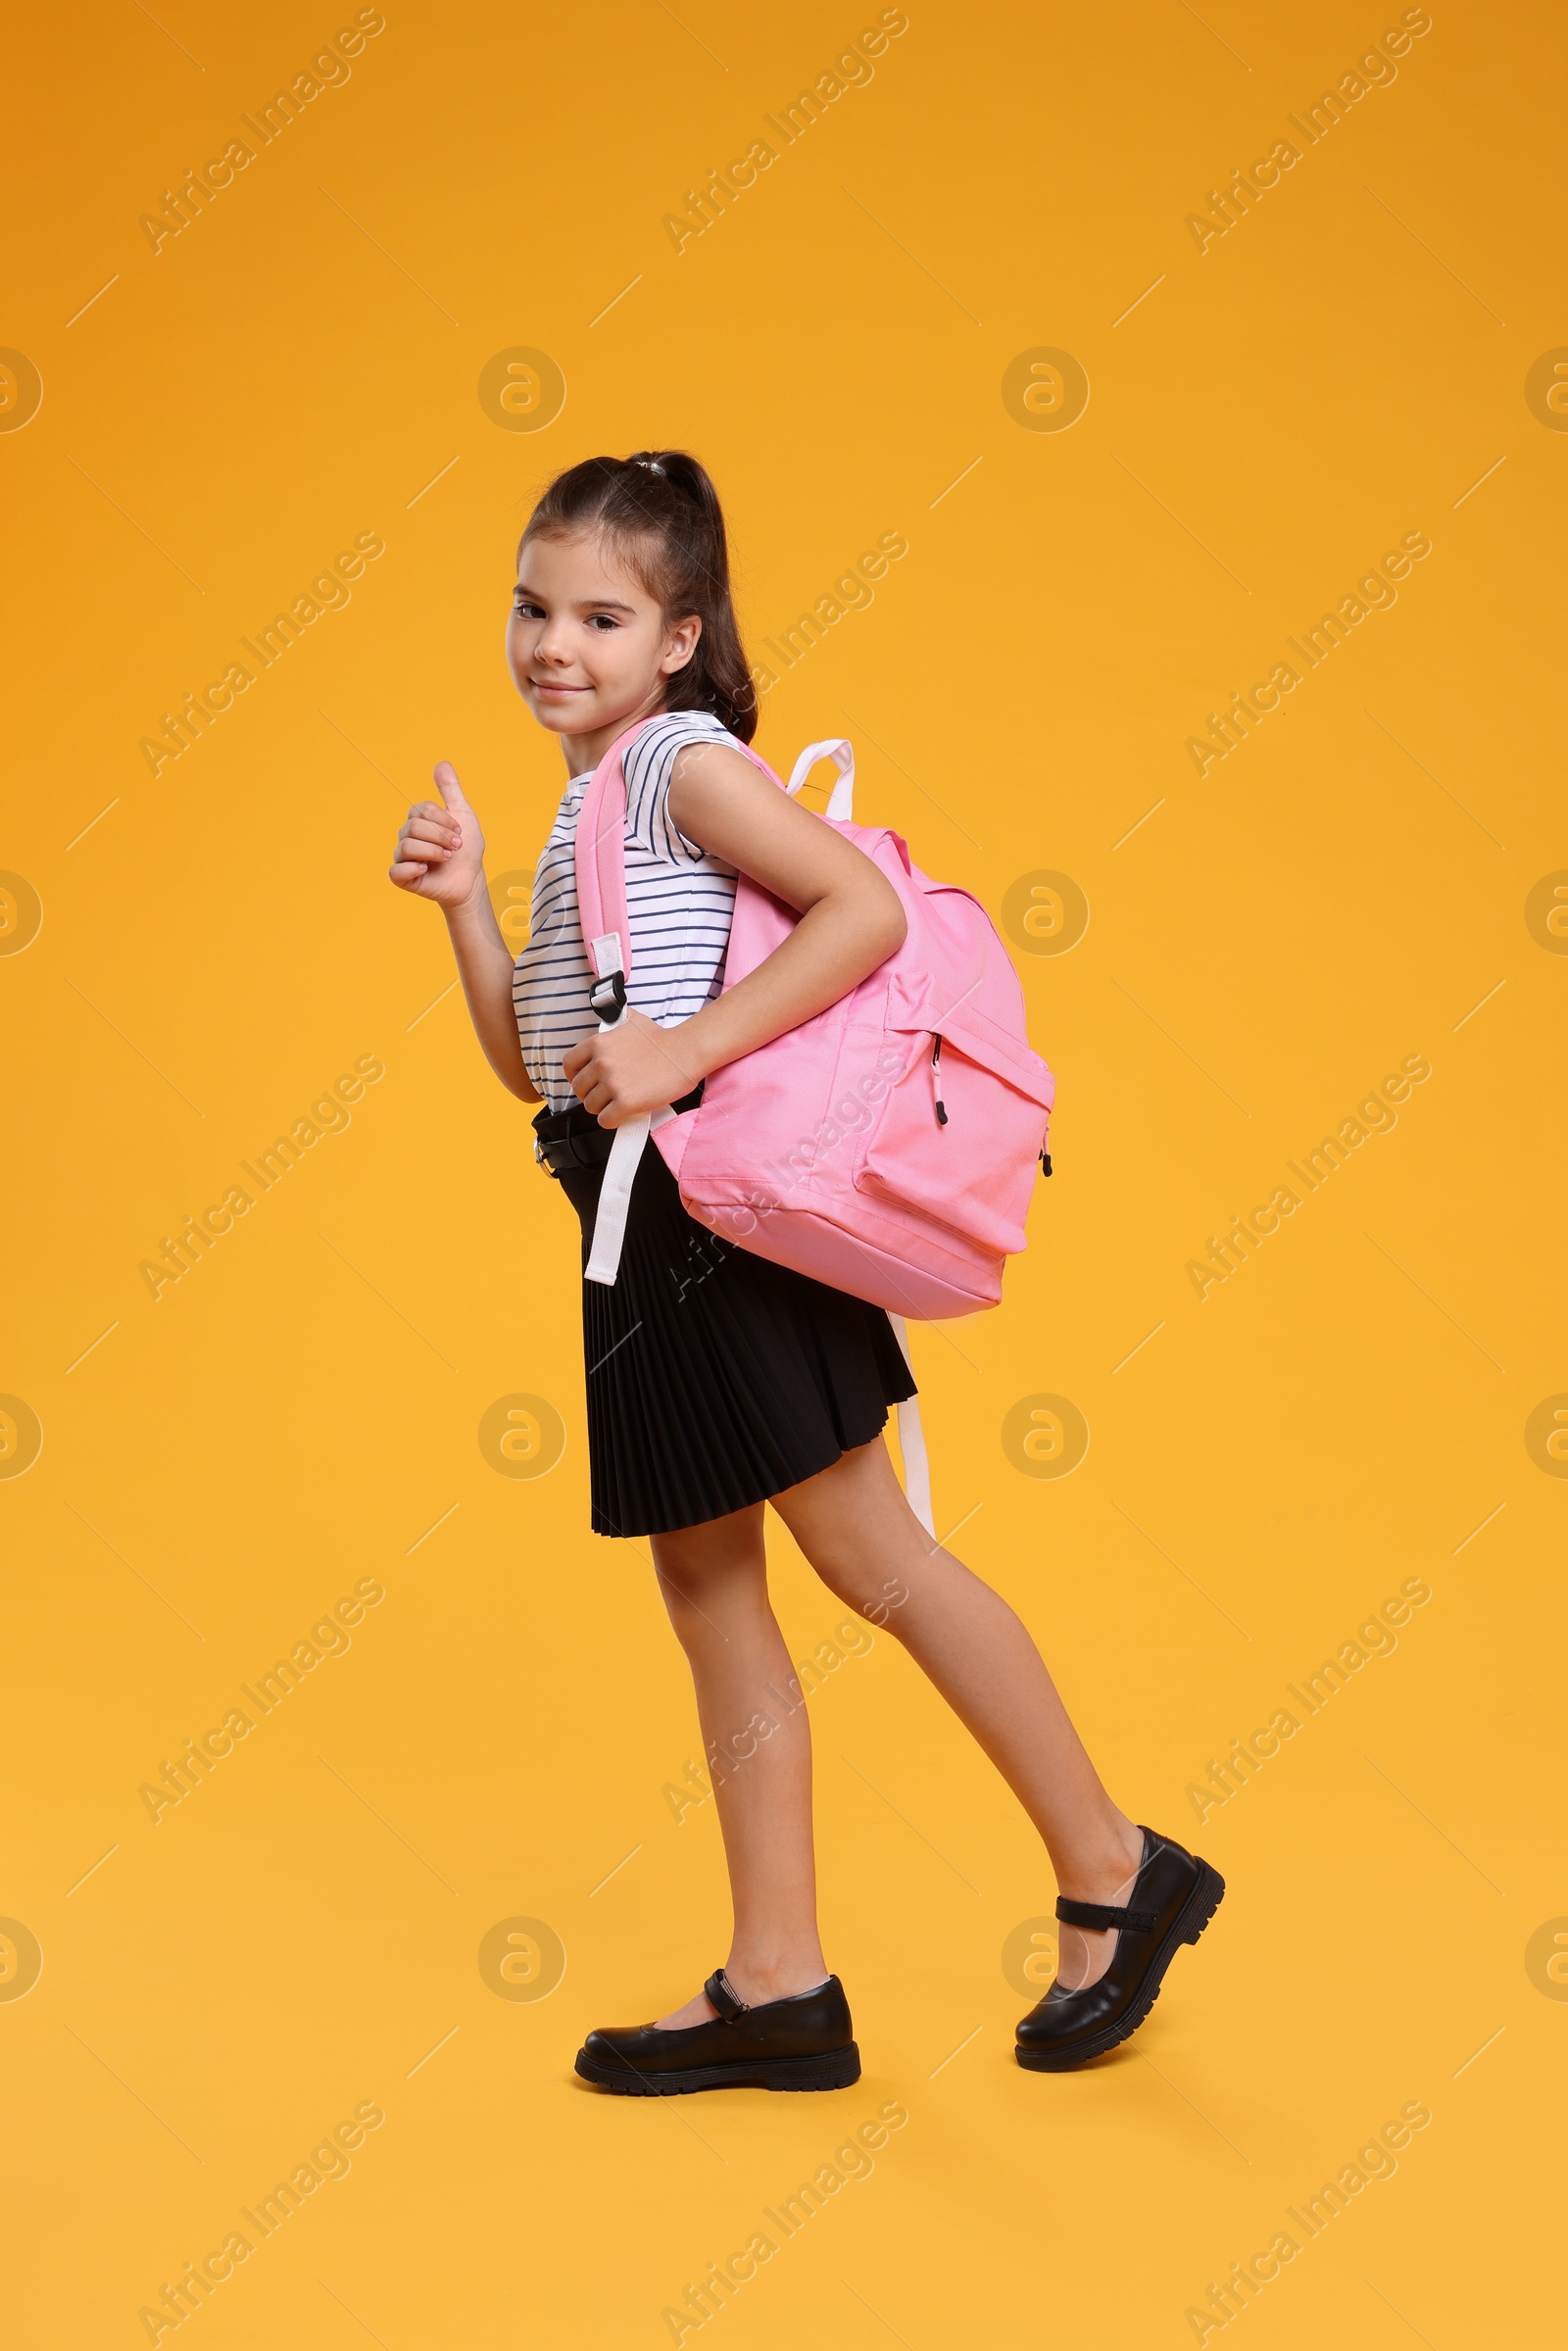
936 1080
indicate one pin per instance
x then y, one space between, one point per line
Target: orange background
299 1413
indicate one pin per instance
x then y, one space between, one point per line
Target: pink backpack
888 1146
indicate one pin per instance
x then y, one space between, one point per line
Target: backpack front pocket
958 1142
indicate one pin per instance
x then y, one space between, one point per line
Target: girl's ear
682 644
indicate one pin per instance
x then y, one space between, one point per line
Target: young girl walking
716 1381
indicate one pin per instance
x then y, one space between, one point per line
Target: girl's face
588 646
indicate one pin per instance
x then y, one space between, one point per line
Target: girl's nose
553 645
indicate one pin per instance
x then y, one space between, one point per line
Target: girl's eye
524 606
604 620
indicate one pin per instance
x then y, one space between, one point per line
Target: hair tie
653 465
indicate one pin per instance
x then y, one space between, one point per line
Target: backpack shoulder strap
599 857
598 854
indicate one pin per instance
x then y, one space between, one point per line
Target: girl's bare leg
860 1534
715 1581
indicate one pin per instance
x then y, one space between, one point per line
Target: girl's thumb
447 784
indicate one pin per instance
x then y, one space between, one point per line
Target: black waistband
574 1138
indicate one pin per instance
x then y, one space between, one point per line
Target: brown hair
662 516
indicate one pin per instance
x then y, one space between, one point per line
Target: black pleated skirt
715 1378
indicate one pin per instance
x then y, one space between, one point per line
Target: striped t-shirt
679 902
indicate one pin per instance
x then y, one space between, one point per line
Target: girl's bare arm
440 856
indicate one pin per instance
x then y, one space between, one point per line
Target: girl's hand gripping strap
600 859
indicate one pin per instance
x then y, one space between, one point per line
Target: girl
717 1381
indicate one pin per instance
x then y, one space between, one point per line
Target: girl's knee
873 1595
883 1604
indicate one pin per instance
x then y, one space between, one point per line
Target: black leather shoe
1174 1897
802 2042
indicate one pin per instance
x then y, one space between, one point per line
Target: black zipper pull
936 1080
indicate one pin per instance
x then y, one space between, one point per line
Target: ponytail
662 516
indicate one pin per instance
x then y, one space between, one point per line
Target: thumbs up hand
440 850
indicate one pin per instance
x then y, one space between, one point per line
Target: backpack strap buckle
607 998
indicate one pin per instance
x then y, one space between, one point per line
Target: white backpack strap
841 808
912 1441
630 1140
614 1199
614 1194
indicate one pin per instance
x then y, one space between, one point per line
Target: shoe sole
837 2070
1188 1925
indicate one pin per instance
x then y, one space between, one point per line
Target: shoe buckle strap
728 2007
1103 1915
